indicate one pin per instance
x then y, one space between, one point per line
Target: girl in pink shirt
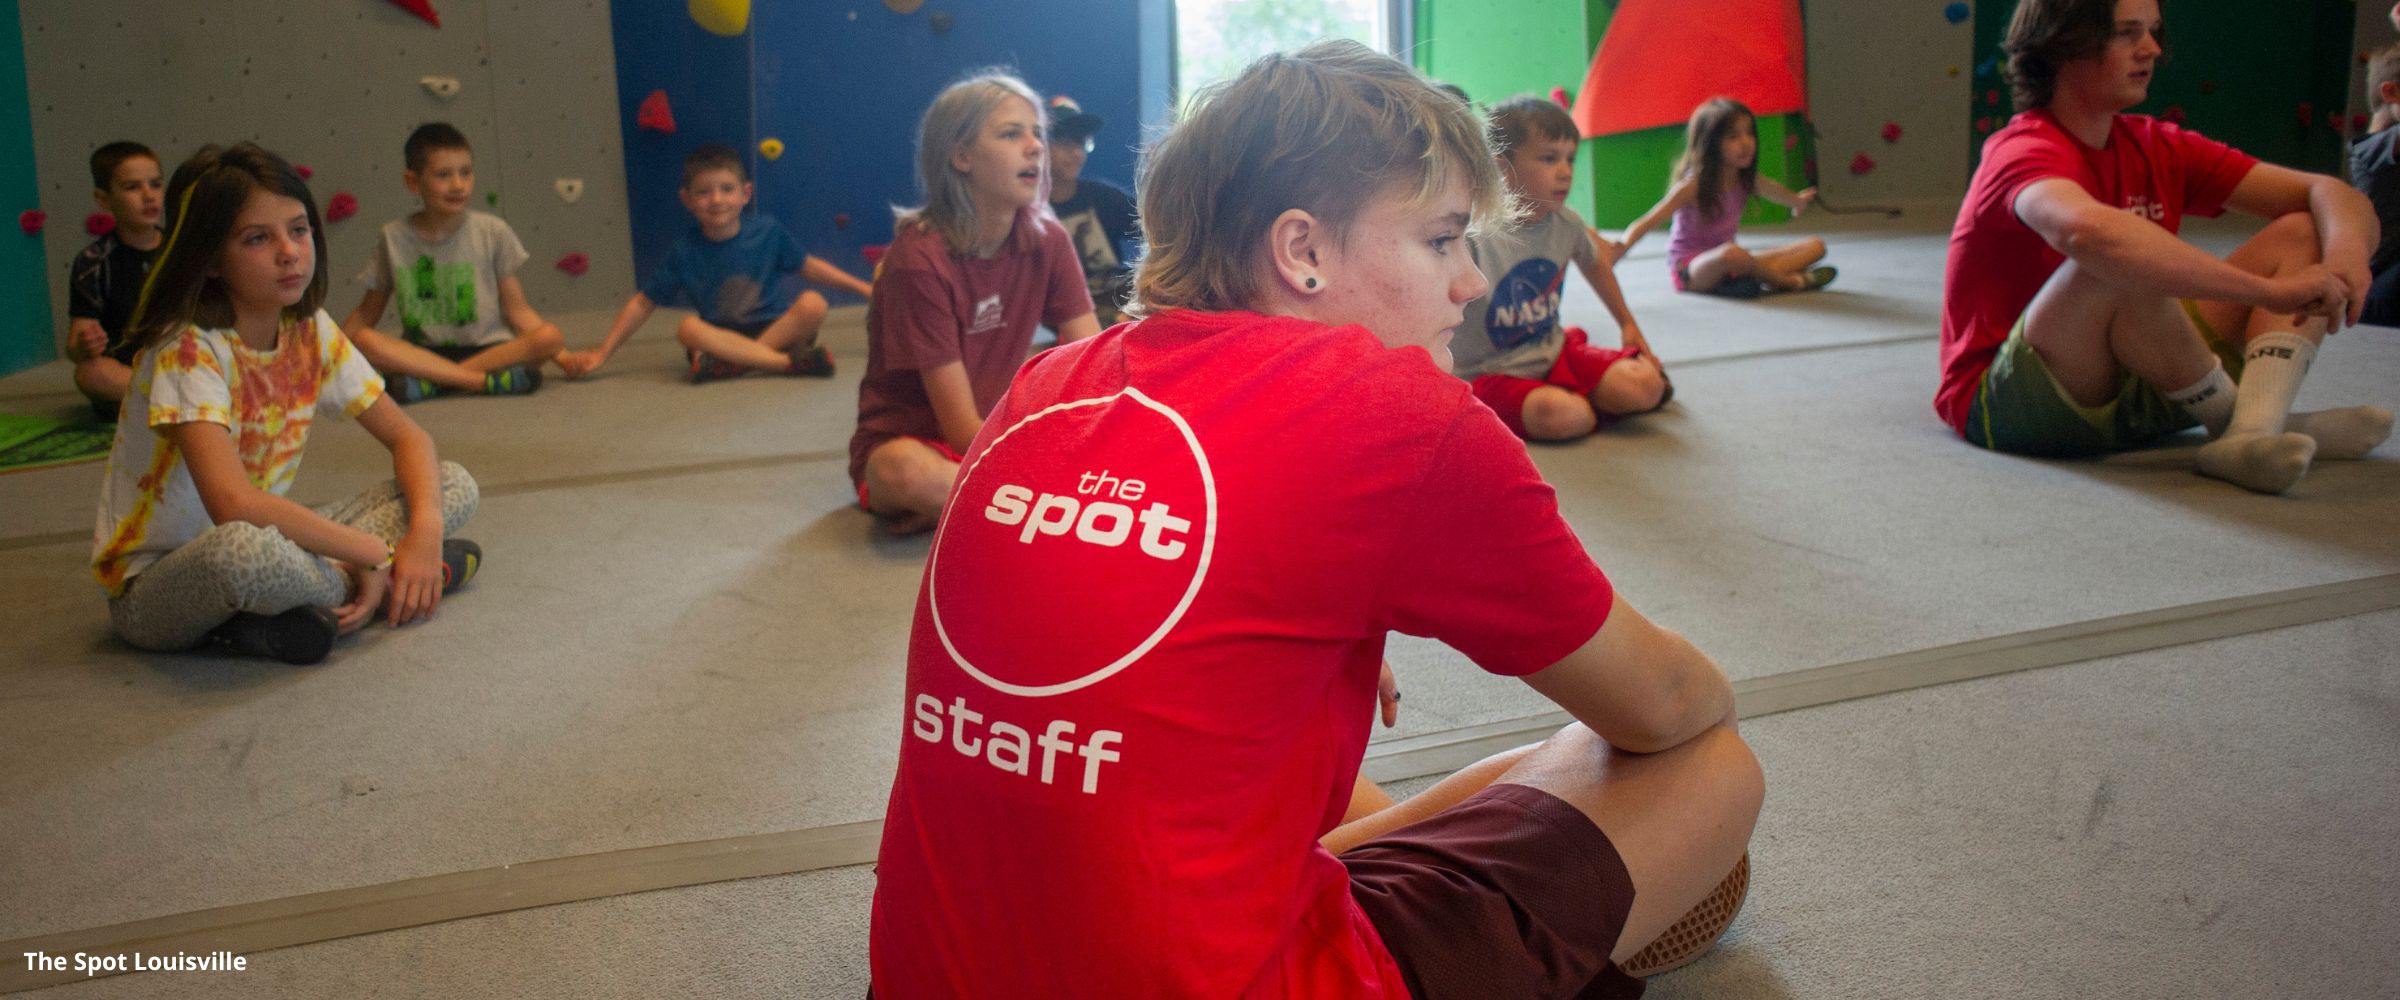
1714 178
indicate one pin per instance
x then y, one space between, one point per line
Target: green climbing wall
25 338
1497 51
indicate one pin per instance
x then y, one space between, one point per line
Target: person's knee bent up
545 341
1552 414
1630 387
691 333
809 308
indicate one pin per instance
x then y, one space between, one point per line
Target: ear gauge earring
1312 283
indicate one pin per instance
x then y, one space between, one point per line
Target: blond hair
1324 129
951 123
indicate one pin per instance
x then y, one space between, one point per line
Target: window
1214 39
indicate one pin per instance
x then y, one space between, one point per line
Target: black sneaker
814 361
1743 287
460 560
406 389
514 380
1817 277
301 636
708 369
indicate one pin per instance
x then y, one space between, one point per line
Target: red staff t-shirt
2154 169
1146 647
933 306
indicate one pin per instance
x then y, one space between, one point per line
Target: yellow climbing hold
722 17
771 148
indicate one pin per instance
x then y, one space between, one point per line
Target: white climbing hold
569 188
444 87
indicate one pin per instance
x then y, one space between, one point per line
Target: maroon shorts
935 444
1577 370
1511 893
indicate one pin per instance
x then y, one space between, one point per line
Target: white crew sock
2346 432
2209 400
2255 452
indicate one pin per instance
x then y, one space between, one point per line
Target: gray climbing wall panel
1890 61
334 85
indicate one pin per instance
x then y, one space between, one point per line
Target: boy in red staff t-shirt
2074 322
1123 794
957 297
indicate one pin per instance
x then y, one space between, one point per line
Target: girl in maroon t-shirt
967 278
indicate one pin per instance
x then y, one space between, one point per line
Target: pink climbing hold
1862 164
1983 124
1891 131
2173 113
575 263
421 8
1559 95
873 254
1791 140
303 170
841 220
2306 113
99 223
341 206
1991 98
31 220
654 114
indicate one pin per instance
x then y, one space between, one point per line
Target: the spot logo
1073 545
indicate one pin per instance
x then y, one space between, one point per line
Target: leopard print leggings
174 603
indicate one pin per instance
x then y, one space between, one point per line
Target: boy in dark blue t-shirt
741 275
105 281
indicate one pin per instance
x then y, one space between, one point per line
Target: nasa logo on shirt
1524 304
1101 503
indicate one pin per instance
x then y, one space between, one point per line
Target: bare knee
1553 414
545 341
809 308
1630 387
2294 233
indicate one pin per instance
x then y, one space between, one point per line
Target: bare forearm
2133 253
306 528
419 471
2346 224
637 311
817 270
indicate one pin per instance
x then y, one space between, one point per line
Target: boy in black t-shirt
105 280
1099 217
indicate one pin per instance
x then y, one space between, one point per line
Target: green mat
34 442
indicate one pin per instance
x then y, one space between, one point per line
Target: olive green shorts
2020 408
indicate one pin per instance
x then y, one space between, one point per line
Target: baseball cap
1069 122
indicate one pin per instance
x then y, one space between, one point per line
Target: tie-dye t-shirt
265 399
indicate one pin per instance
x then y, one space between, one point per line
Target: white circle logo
1074 544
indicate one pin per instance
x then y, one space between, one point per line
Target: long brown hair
1704 152
204 198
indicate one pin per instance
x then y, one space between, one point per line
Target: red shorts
1577 370
935 444
1511 893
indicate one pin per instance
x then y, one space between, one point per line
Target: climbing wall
1890 69
839 88
336 85
25 334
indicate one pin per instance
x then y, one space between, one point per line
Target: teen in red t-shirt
2075 322
957 297
1147 646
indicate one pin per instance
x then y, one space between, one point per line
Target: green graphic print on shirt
435 293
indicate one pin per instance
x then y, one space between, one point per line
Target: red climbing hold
575 263
99 223
841 220
1791 140
2358 123
1891 131
2306 113
1558 96
873 254
654 114
1991 98
421 8
342 206
30 220
1862 164
303 170
2174 113
1983 124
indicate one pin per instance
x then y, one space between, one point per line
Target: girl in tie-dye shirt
194 538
